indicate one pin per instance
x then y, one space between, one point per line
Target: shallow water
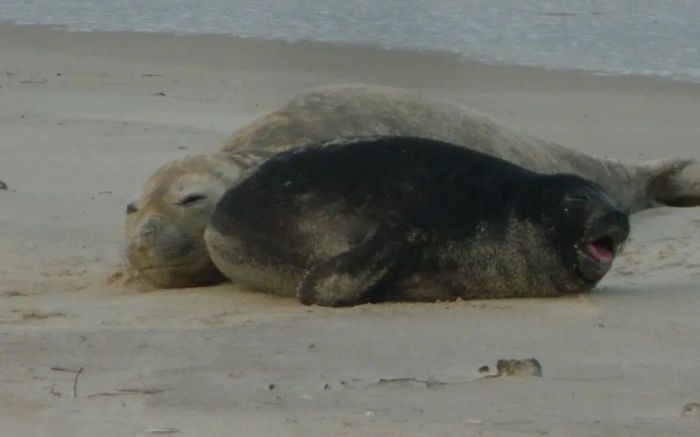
649 37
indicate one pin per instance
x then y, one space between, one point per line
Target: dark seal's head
589 227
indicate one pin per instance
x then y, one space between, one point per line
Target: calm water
652 37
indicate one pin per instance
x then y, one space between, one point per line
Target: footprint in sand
691 410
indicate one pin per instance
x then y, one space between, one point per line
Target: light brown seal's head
165 225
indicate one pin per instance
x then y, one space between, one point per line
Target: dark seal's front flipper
351 277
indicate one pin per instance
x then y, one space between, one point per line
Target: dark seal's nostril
620 216
616 217
131 208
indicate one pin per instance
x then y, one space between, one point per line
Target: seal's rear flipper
674 181
350 277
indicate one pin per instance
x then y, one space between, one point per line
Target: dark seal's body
406 218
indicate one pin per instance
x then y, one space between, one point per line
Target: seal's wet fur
407 218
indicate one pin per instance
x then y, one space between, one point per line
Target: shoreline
305 48
455 56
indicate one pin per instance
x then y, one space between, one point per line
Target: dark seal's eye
131 208
578 198
191 199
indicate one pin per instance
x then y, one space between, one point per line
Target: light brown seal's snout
149 232
167 257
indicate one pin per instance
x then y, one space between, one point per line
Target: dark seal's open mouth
596 252
601 250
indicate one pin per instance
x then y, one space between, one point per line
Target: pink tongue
600 254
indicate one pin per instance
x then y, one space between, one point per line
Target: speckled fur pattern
522 264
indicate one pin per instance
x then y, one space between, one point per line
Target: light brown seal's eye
131 208
190 199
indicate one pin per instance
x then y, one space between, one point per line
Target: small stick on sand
62 369
75 382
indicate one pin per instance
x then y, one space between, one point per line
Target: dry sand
85 118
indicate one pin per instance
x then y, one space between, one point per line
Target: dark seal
404 218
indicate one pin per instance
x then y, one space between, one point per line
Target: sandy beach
85 118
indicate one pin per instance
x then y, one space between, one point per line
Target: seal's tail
673 181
